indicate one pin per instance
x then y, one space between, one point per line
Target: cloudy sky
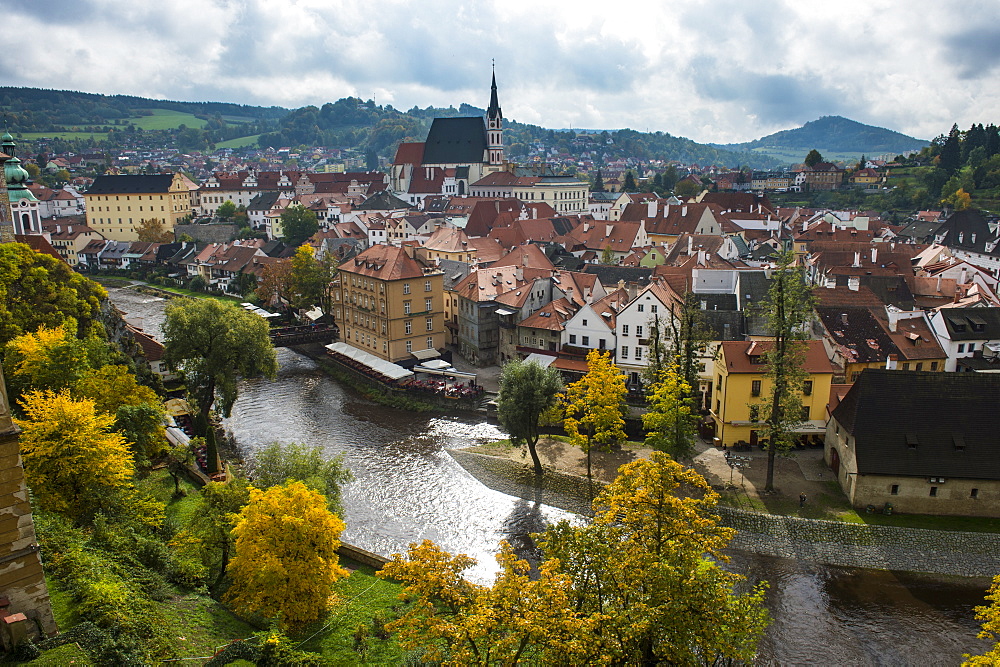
724 71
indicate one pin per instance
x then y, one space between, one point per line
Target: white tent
380 366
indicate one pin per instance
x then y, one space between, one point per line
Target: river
408 488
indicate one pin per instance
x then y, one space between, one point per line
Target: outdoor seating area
444 387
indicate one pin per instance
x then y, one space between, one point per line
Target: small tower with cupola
494 128
24 206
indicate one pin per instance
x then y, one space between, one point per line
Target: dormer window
912 441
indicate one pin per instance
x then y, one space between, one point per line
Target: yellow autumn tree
111 387
286 555
73 462
990 616
456 622
595 406
50 358
669 422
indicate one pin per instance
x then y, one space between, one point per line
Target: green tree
278 463
681 338
527 391
310 278
950 155
226 210
629 185
595 406
686 188
813 158
286 555
669 178
670 419
216 343
598 183
298 223
208 535
39 290
787 310
608 256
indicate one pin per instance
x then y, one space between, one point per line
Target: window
653 308
755 388
429 323
974 494
920 366
585 323
409 327
638 353
624 351
972 347
428 304
406 288
585 340
934 365
427 286
855 375
640 307
430 343
624 329
755 413
406 307
572 339
409 346
933 492
894 490
601 344
807 388
805 413
638 330
906 366
961 348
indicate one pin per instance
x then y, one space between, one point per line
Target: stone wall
213 233
862 545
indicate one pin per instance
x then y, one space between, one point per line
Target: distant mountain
833 134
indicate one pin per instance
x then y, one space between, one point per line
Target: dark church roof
383 201
922 424
456 141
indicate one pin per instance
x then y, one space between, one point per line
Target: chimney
684 211
69 229
853 283
843 319
965 275
58 229
702 256
608 229
651 209
690 244
666 210
519 273
569 294
804 225
891 362
893 321
874 254
857 259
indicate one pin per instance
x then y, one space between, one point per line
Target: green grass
201 625
239 142
67 654
63 606
198 295
795 156
160 484
365 596
30 136
167 119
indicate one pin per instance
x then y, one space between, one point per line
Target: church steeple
494 126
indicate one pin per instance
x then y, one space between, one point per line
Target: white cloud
723 71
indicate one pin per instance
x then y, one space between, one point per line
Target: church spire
494 126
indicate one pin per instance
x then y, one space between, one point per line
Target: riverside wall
834 543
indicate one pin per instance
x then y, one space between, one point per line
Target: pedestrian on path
802 499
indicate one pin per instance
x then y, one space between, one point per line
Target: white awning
380 366
542 360
436 364
504 311
429 353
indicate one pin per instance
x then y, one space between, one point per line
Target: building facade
117 205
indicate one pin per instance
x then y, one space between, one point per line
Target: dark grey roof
123 185
264 201
716 301
856 329
921 231
725 324
972 323
273 248
454 272
947 416
605 196
741 245
610 275
456 141
968 230
382 201
891 290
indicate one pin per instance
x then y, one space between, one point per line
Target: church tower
494 127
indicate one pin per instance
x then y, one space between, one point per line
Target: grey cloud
974 52
773 98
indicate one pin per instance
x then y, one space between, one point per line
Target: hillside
61 120
832 135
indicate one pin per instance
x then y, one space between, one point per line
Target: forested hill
835 134
76 121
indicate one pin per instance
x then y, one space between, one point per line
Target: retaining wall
825 542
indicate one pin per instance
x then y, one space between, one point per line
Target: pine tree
629 185
598 183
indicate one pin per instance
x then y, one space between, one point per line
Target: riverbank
504 468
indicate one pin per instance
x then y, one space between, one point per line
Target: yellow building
741 389
389 305
117 205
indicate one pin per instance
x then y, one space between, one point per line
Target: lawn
239 142
55 134
167 119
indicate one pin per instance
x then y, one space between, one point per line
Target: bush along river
407 487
